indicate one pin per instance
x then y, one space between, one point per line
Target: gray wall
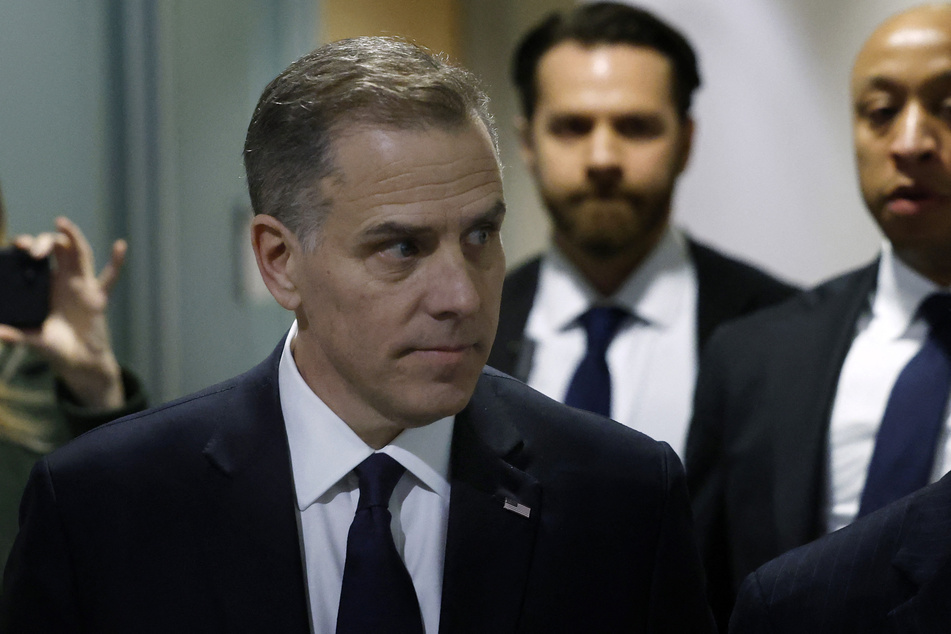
54 153
201 67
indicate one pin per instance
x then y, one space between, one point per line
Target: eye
878 111
638 127
480 236
483 234
401 250
944 110
881 116
570 126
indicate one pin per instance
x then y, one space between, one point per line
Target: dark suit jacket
887 572
33 393
183 519
756 451
726 289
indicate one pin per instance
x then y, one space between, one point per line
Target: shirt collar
655 292
324 449
899 292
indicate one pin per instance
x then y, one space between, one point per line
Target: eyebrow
495 214
642 113
884 82
389 228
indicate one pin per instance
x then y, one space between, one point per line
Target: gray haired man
371 475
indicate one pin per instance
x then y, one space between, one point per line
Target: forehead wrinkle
434 169
380 201
411 168
434 191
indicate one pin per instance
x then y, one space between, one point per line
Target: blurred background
128 116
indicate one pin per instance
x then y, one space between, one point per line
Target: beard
607 226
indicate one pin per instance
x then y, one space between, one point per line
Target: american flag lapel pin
515 507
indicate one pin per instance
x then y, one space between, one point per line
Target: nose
453 290
915 138
604 164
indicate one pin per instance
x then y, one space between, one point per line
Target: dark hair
378 81
605 23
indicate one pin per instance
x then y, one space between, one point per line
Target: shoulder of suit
191 419
716 265
869 543
538 415
800 310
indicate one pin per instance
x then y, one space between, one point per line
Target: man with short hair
829 407
606 91
371 475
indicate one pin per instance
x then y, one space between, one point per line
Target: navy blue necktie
377 593
906 442
590 387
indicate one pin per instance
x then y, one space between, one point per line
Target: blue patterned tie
906 442
590 388
377 593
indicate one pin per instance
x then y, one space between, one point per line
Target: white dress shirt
324 451
887 336
652 358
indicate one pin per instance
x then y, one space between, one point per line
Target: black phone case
24 288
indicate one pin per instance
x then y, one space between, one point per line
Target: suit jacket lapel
490 541
810 372
512 352
727 289
929 610
711 298
925 559
251 535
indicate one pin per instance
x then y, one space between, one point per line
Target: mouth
605 204
910 200
443 353
612 194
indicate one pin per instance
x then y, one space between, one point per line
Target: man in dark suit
887 572
371 475
790 402
606 91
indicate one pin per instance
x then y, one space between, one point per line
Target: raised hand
75 336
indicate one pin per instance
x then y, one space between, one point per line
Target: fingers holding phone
74 335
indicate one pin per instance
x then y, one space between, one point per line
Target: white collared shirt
324 451
887 337
652 358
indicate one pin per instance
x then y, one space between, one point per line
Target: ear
686 143
276 249
526 141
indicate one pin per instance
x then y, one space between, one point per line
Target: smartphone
24 288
